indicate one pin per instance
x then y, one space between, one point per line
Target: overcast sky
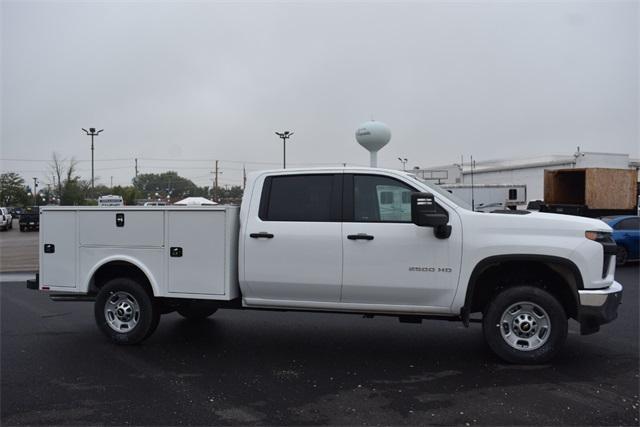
181 82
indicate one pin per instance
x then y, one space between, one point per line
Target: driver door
388 259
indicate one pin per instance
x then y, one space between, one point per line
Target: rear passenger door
293 240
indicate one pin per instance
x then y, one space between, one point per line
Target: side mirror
424 213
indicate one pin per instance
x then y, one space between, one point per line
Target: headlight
597 236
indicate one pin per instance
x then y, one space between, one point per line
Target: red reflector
45 288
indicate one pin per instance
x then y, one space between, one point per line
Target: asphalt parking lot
18 250
299 368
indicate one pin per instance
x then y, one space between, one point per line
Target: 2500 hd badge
431 269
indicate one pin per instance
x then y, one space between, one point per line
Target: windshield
442 192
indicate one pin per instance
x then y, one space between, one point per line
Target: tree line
66 187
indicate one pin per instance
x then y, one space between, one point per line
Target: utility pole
216 171
244 177
215 184
35 191
112 182
92 132
284 136
473 201
136 167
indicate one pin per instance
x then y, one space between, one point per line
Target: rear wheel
197 310
125 312
525 325
621 255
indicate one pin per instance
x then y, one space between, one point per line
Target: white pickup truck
352 240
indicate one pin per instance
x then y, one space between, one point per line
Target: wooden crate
596 188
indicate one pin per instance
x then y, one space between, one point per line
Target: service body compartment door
126 227
58 262
196 252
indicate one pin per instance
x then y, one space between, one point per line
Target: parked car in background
6 220
626 233
30 219
15 212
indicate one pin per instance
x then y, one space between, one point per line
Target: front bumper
598 306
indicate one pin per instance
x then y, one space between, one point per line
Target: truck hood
542 222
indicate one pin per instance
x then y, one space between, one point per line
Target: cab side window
380 199
304 198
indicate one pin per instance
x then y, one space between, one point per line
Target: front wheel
125 312
525 325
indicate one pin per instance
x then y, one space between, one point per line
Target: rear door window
311 198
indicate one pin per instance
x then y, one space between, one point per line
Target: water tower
373 135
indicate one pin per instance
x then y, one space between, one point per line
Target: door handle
360 236
175 252
261 235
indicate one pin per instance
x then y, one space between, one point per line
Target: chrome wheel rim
122 312
525 326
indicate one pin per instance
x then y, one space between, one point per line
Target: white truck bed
86 238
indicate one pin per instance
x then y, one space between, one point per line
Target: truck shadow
375 348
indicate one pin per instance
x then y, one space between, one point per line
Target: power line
157 159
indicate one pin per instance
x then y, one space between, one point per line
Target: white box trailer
202 268
489 197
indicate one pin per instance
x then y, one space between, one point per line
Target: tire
622 256
525 325
125 312
196 310
21 228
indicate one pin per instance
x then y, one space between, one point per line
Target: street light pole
35 190
284 136
92 132
404 163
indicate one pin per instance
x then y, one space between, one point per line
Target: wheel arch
562 269
119 266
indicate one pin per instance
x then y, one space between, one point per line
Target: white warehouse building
529 172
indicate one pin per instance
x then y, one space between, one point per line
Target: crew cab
351 240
